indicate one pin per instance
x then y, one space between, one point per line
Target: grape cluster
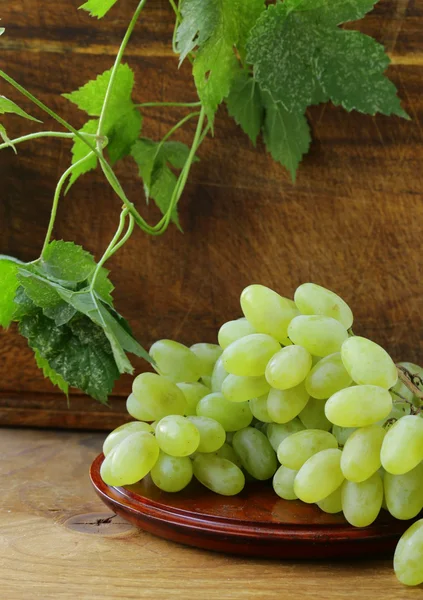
289 393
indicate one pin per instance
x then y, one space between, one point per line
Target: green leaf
66 261
6 139
333 12
245 104
8 106
199 19
98 8
80 150
50 373
123 134
39 290
8 285
103 286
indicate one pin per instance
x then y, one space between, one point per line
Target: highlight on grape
289 393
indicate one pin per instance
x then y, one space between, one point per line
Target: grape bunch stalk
289 393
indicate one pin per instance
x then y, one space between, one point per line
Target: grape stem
413 409
411 381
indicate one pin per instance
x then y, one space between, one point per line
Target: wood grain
44 554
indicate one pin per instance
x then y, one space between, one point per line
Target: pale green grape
313 299
172 473
226 451
342 433
399 409
404 493
255 452
230 436
240 389
313 415
234 330
176 361
361 454
277 432
288 367
315 360
358 406
207 354
131 460
218 474
212 434
297 448
260 425
403 391
207 381
319 335
106 471
327 377
250 354
402 448
319 476
332 504
267 311
284 405
283 483
368 363
408 557
193 393
258 407
361 502
120 433
154 397
231 415
177 435
218 376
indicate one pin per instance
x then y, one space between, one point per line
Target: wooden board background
352 222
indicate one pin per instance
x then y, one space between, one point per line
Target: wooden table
54 542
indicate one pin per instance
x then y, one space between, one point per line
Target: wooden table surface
53 543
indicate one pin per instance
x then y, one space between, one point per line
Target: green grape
206 381
404 493
131 460
288 367
297 448
255 452
277 432
358 406
403 391
319 476
226 451
193 393
361 502
327 377
120 433
229 436
172 473
408 557
315 360
342 433
332 504
361 454
219 375
284 405
258 407
402 448
399 410
218 474
234 330
268 312
106 471
250 355
313 415
231 415
207 354
368 363
260 425
176 361
154 397
177 435
319 335
313 299
212 434
283 483
240 389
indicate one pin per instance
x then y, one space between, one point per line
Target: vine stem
34 136
172 131
407 379
163 104
111 248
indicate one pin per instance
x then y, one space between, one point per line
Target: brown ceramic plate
254 523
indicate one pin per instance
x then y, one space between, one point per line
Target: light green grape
399 410
342 433
402 448
313 415
267 311
177 435
361 454
120 433
240 389
207 381
226 451
361 502
260 425
234 330
172 473
193 393
319 476
255 452
106 471
258 407
284 405
131 460
250 354
283 483
408 557
313 299
327 377
319 335
231 415
218 376
277 432
332 504
218 474
403 391
358 406
176 361
288 367
154 397
212 434
207 354
297 448
404 493
368 363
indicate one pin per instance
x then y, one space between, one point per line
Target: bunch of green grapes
289 393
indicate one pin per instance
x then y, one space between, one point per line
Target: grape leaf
66 261
98 8
80 150
8 106
50 373
199 19
245 105
333 12
8 287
